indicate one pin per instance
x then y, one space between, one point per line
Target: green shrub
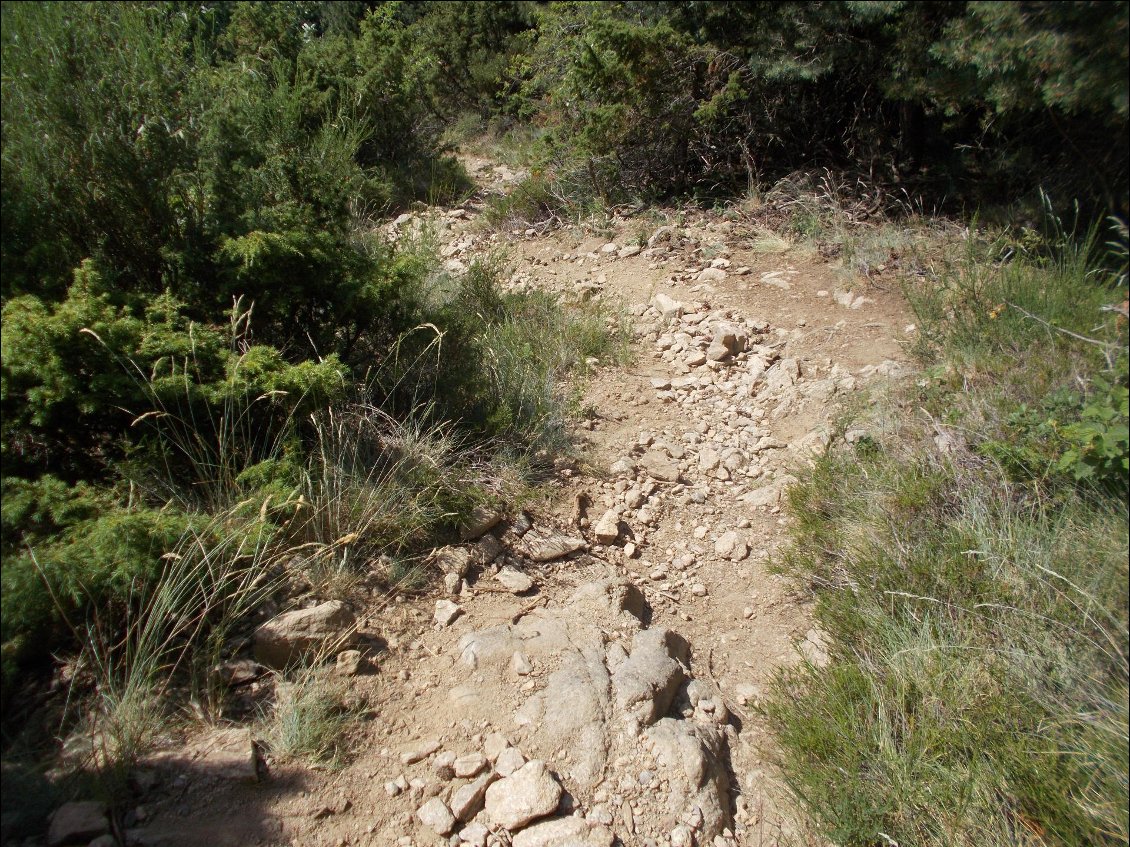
951 100
93 564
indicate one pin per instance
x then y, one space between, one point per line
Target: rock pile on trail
609 728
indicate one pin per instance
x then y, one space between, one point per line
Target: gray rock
469 765
436 816
521 665
349 663
514 581
658 466
733 338
620 596
456 560
622 468
494 744
487 549
660 236
522 524
238 672
711 275
564 832
814 648
303 633
418 754
531 792
692 757
575 703
446 612
768 495
629 251
481 520
467 801
731 545
474 834
77 823
646 682
547 547
717 352
667 307
708 459
452 583
509 761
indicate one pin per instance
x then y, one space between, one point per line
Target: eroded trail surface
589 673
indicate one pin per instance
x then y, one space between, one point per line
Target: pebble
513 580
469 765
420 753
509 761
520 664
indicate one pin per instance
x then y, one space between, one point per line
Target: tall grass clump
309 717
376 487
166 635
969 561
506 363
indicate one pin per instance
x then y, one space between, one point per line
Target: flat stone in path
658 466
574 832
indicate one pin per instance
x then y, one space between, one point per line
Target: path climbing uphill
589 671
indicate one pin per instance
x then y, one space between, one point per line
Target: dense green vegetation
196 301
958 103
217 372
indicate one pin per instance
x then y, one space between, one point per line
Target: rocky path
589 673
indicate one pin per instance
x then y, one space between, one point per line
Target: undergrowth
969 560
239 490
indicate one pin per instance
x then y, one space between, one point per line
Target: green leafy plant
1099 442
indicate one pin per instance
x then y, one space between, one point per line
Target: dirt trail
742 358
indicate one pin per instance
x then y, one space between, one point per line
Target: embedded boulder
303 633
646 682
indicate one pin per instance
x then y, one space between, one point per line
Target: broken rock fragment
514 581
531 792
646 682
607 528
446 612
692 757
547 547
436 816
467 801
481 520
